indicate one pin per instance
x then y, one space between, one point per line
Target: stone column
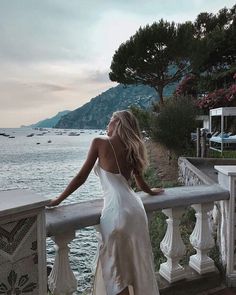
227 179
62 279
22 243
202 240
173 247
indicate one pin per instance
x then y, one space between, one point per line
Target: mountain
50 122
96 113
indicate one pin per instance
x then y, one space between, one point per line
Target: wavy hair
128 130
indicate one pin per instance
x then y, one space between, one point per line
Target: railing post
202 240
61 280
227 179
173 247
22 243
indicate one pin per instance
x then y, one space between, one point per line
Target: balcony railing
22 225
62 222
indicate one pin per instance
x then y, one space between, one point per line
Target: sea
44 161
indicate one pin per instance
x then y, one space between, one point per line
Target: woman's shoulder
100 144
100 140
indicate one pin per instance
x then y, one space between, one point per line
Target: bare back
107 156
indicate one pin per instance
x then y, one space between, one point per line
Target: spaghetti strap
115 155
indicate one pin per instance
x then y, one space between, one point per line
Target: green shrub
172 127
225 154
144 118
157 229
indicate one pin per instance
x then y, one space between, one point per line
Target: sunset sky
55 54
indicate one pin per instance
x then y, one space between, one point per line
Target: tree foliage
216 42
157 55
144 118
201 55
173 125
213 60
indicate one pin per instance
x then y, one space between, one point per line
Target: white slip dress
124 257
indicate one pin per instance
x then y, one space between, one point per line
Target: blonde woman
125 263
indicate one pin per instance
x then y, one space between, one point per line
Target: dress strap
115 155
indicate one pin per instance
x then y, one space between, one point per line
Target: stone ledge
192 285
20 200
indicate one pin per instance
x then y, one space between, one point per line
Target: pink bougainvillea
219 98
187 86
224 97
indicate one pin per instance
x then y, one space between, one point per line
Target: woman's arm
144 186
81 177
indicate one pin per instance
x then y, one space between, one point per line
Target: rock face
51 122
96 113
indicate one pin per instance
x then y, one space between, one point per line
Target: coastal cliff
96 113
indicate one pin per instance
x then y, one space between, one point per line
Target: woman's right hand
54 202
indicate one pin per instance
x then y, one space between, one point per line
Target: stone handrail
76 216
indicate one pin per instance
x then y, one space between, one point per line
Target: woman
125 263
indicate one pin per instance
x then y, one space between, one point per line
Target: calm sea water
45 164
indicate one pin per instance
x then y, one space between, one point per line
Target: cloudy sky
55 54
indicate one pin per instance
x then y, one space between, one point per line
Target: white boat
74 134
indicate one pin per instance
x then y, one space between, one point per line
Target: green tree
156 55
214 57
172 127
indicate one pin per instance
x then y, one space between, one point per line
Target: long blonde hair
128 130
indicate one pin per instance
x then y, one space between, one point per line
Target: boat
102 133
73 134
4 134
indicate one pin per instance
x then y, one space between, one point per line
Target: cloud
93 76
36 31
56 54
51 87
44 30
41 90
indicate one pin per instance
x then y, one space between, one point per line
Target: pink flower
219 98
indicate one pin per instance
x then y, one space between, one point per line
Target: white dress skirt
125 257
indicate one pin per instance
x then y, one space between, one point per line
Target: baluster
61 280
173 247
202 240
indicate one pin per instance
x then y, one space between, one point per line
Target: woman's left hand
156 191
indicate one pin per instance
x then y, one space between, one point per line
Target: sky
55 55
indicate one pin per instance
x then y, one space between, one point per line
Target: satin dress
125 256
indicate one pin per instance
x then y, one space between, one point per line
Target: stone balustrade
23 229
63 221
210 171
